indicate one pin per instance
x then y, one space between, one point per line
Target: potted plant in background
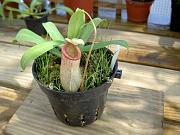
138 10
175 16
86 5
34 15
76 78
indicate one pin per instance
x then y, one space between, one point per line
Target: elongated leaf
53 31
56 52
66 9
104 44
16 1
76 21
37 51
86 32
26 12
10 17
29 36
13 9
1 11
22 16
35 3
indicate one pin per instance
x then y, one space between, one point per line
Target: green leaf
56 52
35 3
29 36
16 1
76 21
1 11
53 31
22 16
9 1
104 44
10 16
37 51
13 9
26 12
86 32
66 9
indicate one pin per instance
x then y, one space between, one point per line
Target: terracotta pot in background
138 11
87 5
28 2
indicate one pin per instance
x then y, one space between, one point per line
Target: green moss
48 69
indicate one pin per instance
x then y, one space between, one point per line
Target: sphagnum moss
98 69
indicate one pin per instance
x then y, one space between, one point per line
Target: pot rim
36 19
64 52
139 2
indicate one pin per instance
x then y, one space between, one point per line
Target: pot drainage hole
83 122
96 113
67 119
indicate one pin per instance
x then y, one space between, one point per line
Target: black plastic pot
35 24
175 16
79 108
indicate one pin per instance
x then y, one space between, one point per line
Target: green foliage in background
35 9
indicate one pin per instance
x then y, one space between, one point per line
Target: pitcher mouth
71 51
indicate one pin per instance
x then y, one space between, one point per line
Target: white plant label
115 56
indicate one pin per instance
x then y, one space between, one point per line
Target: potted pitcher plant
75 74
